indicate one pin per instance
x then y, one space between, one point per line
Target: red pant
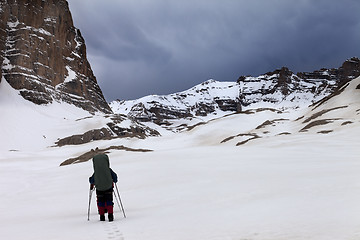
105 201
109 208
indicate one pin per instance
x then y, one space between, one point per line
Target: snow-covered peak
211 99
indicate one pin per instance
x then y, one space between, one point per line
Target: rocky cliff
44 56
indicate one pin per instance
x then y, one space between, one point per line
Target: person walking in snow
103 180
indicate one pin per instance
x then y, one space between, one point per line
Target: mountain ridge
280 89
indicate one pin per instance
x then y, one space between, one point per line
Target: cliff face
44 56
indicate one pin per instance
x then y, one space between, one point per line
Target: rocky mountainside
334 113
281 89
43 55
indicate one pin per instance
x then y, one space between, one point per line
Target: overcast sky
143 47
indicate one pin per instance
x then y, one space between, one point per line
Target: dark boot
102 217
111 217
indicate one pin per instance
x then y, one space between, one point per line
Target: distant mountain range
280 89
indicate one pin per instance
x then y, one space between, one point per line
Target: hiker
103 180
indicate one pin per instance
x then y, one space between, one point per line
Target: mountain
280 89
43 55
209 98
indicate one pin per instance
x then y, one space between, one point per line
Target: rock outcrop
44 56
113 126
348 71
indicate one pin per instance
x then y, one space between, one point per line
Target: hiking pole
90 194
117 190
117 201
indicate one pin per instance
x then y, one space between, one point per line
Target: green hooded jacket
103 176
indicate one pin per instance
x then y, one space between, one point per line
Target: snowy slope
30 127
212 99
340 111
301 185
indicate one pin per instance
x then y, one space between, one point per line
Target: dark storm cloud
113 34
144 47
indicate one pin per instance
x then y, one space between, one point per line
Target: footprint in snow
113 231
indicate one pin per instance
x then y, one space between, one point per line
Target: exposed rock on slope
335 112
44 56
116 127
283 88
90 154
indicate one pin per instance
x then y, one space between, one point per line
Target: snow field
257 192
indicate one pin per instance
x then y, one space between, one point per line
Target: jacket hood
101 160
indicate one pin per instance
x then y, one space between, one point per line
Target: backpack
102 172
